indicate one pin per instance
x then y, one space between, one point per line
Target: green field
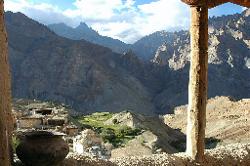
114 133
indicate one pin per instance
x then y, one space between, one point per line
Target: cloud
42 12
15 5
120 19
95 9
163 14
127 22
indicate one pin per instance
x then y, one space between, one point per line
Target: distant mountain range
86 33
173 48
151 77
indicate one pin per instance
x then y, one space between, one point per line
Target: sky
126 20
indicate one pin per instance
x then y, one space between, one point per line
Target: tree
5 107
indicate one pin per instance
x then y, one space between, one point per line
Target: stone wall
29 123
237 155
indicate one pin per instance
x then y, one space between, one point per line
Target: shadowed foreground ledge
236 154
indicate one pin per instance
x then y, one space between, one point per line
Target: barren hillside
227 120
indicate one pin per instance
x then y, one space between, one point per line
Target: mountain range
151 76
83 31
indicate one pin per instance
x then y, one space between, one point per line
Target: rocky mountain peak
84 32
83 24
84 28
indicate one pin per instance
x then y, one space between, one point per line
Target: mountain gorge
150 78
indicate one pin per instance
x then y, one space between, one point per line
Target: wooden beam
194 2
244 3
214 3
4 93
197 96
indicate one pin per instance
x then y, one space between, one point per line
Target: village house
29 122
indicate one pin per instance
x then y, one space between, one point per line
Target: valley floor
228 124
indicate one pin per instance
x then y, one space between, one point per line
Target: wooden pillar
197 98
4 93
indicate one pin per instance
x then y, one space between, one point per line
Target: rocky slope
86 33
85 76
228 43
156 137
228 123
229 56
130 134
228 120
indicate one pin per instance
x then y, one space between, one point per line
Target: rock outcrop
90 144
166 55
228 43
155 136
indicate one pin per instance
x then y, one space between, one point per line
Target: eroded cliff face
229 55
229 44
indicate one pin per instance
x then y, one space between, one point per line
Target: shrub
107 134
15 142
130 131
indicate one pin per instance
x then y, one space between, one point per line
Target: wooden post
4 93
197 98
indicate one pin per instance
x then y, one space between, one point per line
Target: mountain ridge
83 75
83 31
178 43
148 46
